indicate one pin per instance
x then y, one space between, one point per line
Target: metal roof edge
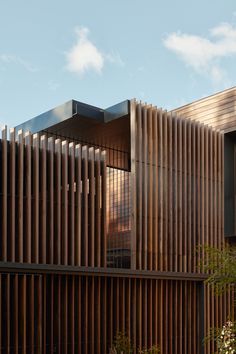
74 108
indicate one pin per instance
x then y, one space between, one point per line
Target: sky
167 53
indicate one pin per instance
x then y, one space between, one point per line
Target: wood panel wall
177 174
217 111
53 201
80 314
177 168
53 211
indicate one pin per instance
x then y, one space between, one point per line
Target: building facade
102 213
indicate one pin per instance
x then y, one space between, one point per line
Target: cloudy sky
102 52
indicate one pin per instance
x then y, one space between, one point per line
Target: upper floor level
130 186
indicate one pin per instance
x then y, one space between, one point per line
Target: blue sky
102 52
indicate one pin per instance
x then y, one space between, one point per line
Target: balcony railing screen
118 218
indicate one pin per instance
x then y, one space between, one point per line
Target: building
102 212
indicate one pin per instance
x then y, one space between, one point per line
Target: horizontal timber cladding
81 314
217 111
177 176
53 201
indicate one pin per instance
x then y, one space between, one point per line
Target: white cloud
8 59
205 55
85 56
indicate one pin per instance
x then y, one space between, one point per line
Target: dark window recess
229 184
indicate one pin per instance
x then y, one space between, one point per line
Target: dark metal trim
9 267
71 109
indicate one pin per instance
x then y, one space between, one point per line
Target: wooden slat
139 314
16 314
117 307
58 201
71 236
4 172
22 310
104 302
43 198
98 208
133 317
110 301
35 241
27 226
160 186
176 322
64 333
180 196
211 205
39 315
139 192
104 223
171 316
58 323
194 195
12 173
176 147
31 313
150 189
144 330
84 240
133 181
97 310
145 188
85 339
79 316
20 188
198 198
72 299
202 164
78 204
165 192
170 195
150 338
45 308
91 216
190 245
91 313
184 198
64 202
8 314
50 239
161 303
51 315
155 190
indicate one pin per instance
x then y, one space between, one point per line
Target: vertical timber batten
133 122
54 195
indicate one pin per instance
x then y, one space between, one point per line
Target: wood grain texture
56 214
50 192
217 111
178 162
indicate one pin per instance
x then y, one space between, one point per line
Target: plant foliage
123 345
220 265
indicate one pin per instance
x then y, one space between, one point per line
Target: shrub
122 345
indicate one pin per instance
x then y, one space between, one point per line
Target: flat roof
71 109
